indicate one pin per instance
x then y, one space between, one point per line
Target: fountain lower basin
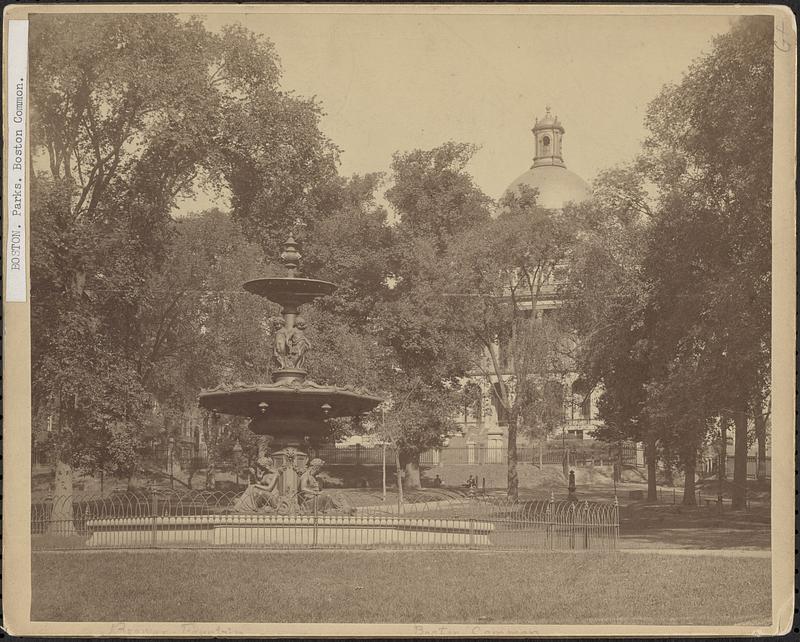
330 531
288 408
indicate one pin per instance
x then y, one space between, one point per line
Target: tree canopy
113 149
673 282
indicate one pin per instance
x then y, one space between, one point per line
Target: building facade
483 424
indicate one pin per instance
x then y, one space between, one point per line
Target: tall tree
434 199
115 152
711 261
606 299
504 273
114 148
691 285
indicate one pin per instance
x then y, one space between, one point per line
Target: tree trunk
740 460
723 446
191 473
689 468
399 476
652 489
211 476
411 468
761 440
513 475
211 429
61 518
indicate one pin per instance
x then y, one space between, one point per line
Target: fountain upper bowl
289 290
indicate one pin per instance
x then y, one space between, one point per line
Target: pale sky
398 82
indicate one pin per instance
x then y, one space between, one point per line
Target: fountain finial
290 256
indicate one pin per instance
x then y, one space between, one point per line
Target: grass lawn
380 586
704 527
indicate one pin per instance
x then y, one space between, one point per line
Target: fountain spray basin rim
293 290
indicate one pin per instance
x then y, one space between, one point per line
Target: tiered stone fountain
284 505
292 412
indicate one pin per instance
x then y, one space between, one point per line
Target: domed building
483 425
555 184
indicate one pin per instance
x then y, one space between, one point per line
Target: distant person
437 482
472 485
571 486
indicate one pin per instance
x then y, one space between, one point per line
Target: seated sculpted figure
263 493
310 491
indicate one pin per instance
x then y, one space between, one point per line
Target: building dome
556 185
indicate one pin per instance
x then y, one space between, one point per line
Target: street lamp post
383 464
170 464
384 442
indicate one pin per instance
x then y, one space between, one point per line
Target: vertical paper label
16 155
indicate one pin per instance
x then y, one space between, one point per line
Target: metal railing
711 466
551 453
429 519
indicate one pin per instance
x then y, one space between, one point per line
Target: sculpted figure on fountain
311 492
263 492
298 344
281 343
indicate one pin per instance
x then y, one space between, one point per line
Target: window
502 415
495 449
546 141
586 407
473 402
553 394
581 400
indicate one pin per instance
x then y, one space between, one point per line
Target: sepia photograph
454 320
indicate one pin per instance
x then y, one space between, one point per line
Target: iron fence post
572 526
586 525
315 522
153 514
87 515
